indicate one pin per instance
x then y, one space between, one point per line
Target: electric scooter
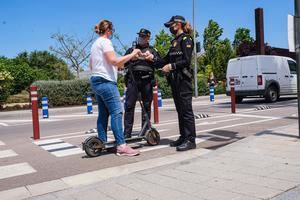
94 147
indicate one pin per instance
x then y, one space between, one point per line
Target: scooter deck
112 144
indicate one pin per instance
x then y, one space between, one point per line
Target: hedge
64 93
73 92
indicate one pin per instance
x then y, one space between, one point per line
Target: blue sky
29 24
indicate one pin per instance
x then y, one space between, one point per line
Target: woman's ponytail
103 26
188 29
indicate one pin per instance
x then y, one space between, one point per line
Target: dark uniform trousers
182 94
142 84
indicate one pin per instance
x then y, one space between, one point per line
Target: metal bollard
155 104
89 104
232 94
124 99
45 107
35 112
159 98
212 93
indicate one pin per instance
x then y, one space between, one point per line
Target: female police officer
177 66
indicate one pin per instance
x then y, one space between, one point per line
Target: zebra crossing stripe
2 143
68 152
201 115
19 169
58 147
7 153
46 142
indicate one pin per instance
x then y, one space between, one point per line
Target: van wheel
271 94
238 99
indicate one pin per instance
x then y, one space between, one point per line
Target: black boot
177 142
186 145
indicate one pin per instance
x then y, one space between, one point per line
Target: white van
262 75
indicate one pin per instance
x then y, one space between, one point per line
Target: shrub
164 87
220 88
64 93
6 85
203 88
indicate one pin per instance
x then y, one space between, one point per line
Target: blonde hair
187 28
103 26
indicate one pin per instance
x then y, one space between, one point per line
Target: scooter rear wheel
93 146
152 137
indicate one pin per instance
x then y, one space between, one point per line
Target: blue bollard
89 104
212 93
45 107
159 98
124 99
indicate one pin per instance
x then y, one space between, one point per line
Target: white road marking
198 141
2 143
87 135
235 125
256 116
3 124
59 150
7 153
66 134
43 142
73 116
56 146
216 122
19 169
67 152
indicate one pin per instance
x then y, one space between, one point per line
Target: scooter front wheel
152 137
93 146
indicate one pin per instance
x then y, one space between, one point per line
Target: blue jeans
109 103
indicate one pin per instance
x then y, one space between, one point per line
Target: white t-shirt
100 66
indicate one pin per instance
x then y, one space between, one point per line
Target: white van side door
249 74
293 76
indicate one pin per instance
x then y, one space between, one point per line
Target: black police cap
145 32
176 18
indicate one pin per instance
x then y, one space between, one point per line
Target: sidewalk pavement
262 166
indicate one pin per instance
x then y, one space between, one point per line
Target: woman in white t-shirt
104 65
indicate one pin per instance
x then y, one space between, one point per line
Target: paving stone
119 192
15 194
154 190
257 191
46 187
90 195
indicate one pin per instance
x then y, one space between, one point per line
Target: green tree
22 74
162 43
6 81
46 65
211 38
242 35
224 52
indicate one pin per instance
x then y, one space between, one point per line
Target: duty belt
176 53
142 68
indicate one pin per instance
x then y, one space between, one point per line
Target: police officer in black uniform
179 74
142 80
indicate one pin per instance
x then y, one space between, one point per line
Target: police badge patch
174 43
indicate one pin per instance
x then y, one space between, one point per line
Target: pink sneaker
125 150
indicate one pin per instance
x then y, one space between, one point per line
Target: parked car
262 75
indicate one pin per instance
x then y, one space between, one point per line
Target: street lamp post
195 52
297 49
